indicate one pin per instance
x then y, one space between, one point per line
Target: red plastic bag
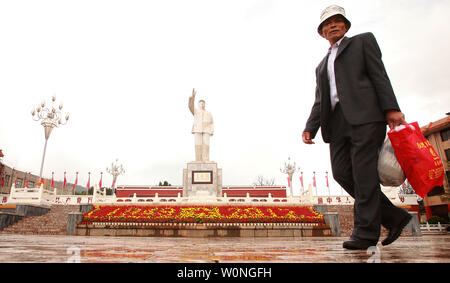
422 166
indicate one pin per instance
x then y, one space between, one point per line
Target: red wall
277 192
173 191
148 191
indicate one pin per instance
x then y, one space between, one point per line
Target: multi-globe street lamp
115 171
51 118
290 169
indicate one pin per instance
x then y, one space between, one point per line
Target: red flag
328 185
26 180
65 181
76 181
3 177
113 183
53 182
301 179
101 176
314 180
89 181
289 182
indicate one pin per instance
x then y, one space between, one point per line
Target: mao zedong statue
202 129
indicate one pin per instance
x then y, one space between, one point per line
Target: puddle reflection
34 248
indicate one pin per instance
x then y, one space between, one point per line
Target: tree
262 182
165 184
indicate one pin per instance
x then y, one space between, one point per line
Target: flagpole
100 184
89 181
64 184
301 182
74 185
314 181
328 185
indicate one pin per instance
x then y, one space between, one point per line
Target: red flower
203 214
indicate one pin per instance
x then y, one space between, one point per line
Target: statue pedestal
202 179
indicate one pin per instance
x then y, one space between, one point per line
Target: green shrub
436 219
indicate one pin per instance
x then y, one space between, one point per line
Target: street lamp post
50 118
289 169
115 171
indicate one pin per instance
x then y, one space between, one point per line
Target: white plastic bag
389 170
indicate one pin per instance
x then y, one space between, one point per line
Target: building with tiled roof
437 201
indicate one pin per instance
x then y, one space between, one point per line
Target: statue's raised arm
192 101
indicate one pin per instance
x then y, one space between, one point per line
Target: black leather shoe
395 232
356 244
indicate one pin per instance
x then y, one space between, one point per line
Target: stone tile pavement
58 248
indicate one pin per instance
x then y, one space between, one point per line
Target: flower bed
202 214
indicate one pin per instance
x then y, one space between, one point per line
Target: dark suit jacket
363 87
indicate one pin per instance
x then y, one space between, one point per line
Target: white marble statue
202 129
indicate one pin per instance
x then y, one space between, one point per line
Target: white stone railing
410 199
36 195
439 228
210 200
41 196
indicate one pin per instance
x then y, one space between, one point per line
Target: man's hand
306 136
395 118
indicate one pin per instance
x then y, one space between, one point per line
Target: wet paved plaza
34 248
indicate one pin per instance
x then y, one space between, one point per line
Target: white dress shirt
331 76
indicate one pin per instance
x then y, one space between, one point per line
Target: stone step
201 231
53 222
38 232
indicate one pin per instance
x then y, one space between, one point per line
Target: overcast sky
125 71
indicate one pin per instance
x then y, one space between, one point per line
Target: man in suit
354 101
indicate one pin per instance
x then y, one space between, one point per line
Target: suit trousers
201 146
354 151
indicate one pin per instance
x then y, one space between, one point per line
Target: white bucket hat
329 12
